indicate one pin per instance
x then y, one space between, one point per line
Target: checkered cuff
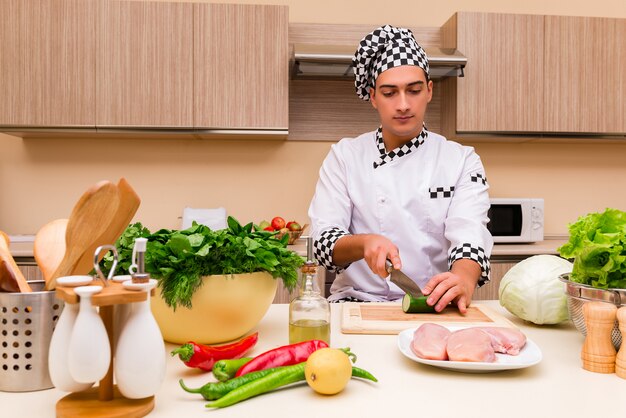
473 252
323 248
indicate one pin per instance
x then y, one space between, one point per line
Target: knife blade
403 281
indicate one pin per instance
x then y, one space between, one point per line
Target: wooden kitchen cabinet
145 64
241 69
532 74
47 61
502 90
584 67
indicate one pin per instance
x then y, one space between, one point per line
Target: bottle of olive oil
309 313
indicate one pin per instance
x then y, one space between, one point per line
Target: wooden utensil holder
104 400
598 353
620 360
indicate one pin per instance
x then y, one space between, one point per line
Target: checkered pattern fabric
438 192
473 252
386 157
347 299
382 49
478 178
323 248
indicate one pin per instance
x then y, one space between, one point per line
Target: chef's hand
376 250
373 248
456 286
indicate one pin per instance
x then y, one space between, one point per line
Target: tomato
269 228
278 223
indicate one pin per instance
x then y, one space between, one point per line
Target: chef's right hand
376 250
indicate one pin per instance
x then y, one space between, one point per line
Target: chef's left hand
456 286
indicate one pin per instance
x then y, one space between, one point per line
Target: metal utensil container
27 321
578 294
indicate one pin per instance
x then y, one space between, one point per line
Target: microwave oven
516 220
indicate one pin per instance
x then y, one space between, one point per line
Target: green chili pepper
364 374
280 377
215 390
226 369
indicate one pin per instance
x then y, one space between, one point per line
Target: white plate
528 356
73 281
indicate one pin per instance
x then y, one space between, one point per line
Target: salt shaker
598 353
620 360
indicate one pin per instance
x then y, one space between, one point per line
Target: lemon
328 371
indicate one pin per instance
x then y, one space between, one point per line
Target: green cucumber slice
416 305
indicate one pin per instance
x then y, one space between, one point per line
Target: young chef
401 192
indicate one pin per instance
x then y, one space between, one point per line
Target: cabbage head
531 289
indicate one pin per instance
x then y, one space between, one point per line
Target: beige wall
40 180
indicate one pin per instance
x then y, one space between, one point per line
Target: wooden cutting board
388 318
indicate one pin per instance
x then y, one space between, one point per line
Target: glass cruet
309 313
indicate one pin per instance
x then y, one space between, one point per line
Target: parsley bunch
179 258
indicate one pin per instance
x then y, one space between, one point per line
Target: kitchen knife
403 281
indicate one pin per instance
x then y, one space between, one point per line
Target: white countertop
556 387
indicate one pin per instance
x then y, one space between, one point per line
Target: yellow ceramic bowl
223 309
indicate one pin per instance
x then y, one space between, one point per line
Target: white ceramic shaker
140 354
89 352
58 353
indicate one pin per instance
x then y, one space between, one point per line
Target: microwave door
505 222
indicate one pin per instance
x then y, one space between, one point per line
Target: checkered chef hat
385 48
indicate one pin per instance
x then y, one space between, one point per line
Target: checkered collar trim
386 157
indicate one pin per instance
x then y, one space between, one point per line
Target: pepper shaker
598 353
620 360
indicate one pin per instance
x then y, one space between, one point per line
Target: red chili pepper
204 356
282 356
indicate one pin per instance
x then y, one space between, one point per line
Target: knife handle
388 266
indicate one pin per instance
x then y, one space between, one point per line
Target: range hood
334 61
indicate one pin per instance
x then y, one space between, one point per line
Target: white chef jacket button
382 200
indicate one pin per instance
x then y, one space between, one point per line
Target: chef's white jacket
431 202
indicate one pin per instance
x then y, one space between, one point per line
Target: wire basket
27 321
578 294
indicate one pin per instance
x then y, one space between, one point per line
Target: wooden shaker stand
104 400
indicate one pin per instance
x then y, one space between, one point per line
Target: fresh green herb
179 258
597 243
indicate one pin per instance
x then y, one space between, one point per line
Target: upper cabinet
536 74
195 68
503 85
47 62
585 71
241 71
144 65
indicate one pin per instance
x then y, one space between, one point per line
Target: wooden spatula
49 247
89 219
11 277
128 205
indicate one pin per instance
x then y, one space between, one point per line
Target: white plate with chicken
469 349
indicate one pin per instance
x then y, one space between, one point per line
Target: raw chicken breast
506 340
470 344
429 342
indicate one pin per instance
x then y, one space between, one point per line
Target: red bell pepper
204 356
282 356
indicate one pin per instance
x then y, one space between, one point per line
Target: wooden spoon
90 217
128 205
11 277
49 247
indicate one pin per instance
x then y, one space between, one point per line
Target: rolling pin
620 360
598 353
